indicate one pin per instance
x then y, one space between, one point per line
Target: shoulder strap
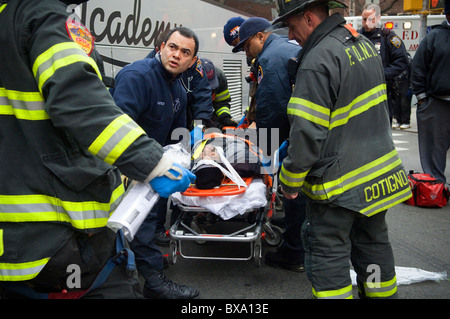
352 30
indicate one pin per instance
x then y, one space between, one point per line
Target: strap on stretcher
227 188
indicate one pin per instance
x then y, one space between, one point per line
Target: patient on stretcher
208 176
210 154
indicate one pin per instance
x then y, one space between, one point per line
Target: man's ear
193 61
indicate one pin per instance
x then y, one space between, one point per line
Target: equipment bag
427 191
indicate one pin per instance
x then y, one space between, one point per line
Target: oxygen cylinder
139 199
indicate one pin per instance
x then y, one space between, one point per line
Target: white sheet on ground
407 275
228 206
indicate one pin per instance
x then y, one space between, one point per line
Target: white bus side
125 31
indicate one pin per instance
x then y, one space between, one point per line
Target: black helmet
286 8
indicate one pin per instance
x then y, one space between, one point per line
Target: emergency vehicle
406 27
125 31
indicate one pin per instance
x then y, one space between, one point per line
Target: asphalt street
420 238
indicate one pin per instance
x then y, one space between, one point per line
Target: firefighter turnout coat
62 138
341 148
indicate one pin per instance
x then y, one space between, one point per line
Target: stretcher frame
260 229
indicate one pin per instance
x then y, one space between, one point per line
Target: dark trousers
294 216
402 102
433 124
147 252
162 215
332 237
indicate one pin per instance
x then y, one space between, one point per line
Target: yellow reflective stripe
223 110
116 138
381 289
343 293
1 243
354 178
386 203
42 208
116 196
58 56
21 271
2 7
322 116
359 105
309 111
222 96
23 105
292 179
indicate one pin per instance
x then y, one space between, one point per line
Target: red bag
427 191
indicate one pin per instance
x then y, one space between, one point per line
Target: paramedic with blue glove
272 54
150 92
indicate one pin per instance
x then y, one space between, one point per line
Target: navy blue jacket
152 97
392 50
196 84
430 68
274 88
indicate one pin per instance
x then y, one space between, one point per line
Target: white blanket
228 206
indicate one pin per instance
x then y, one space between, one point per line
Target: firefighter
220 93
341 154
63 144
395 62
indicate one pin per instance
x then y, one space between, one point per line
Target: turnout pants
89 253
332 237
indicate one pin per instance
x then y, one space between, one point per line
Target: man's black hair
186 32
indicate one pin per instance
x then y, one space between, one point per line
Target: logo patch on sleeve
396 41
199 67
80 35
260 74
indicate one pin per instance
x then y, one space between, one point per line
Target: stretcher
252 206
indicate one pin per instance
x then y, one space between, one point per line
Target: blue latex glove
196 135
242 120
282 151
267 164
176 179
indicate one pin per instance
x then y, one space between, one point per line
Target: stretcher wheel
173 252
257 253
274 235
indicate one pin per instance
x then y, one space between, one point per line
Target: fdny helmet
287 8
